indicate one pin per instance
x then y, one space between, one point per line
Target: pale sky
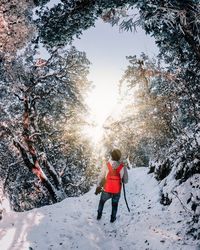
107 48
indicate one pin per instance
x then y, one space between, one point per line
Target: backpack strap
118 169
109 167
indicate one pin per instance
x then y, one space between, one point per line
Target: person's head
116 154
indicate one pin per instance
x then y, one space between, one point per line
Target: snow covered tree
175 27
146 121
40 98
59 24
15 26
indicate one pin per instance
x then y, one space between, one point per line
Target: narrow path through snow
72 224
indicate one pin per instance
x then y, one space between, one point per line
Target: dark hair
116 155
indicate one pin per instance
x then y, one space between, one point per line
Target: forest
44 155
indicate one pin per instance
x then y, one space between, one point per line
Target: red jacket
113 179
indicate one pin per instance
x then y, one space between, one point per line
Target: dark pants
106 196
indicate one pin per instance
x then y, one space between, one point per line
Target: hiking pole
125 197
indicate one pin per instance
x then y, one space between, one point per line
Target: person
109 183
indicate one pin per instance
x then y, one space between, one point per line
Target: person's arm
101 180
129 166
101 177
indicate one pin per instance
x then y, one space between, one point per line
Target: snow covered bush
162 170
181 158
178 173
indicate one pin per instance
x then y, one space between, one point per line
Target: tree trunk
35 168
34 163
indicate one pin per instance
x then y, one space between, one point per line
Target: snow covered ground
72 224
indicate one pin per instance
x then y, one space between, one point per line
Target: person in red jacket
113 174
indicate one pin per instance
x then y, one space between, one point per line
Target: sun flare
94 133
101 101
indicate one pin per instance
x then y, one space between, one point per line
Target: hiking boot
99 216
112 219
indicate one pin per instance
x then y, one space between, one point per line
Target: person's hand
98 190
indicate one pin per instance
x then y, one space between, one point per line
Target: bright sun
102 101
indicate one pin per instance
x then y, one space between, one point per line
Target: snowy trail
72 224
